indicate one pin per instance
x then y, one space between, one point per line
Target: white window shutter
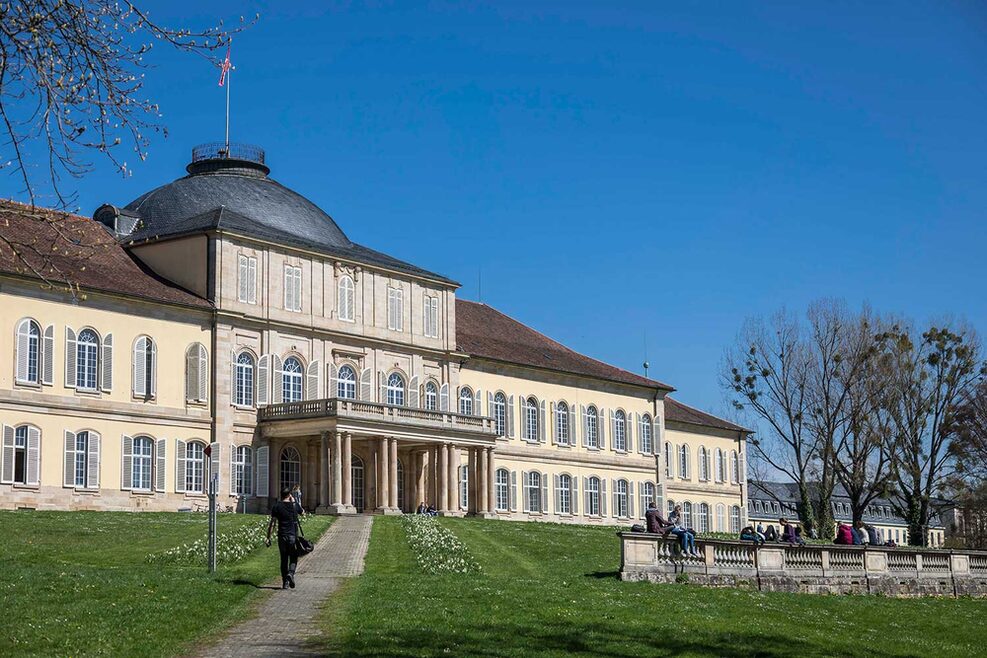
179 466
557 490
613 431
242 282
92 466
263 475
127 462
233 450
215 465
601 424
139 377
48 356
603 496
629 428
333 381
277 379
382 386
367 385
574 495
413 393
555 425
586 503
544 493
191 373
33 475
513 491
263 380
313 381
582 411
23 351
630 499
743 469
68 477
160 464
573 425
444 397
478 403
7 474
203 385
106 381
541 422
288 305
510 416
252 280
525 507
70 356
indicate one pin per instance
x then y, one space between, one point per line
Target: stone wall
810 569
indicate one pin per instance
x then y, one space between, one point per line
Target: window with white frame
431 319
646 446
703 515
243 395
87 360
431 396
619 431
143 456
83 445
20 455
735 519
345 302
734 466
243 469
346 383
464 487
532 491
28 358
395 309
195 467
684 461
564 500
292 288
687 514
721 518
499 413
562 423
593 496
502 489
145 367
671 506
703 464
290 468
395 390
247 284
196 373
466 401
592 427
620 498
530 408
291 380
648 495
721 466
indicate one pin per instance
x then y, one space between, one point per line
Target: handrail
340 407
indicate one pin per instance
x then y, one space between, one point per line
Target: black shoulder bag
302 545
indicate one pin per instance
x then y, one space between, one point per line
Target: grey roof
247 201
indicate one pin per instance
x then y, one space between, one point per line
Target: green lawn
77 583
547 589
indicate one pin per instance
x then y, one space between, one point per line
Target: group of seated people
791 533
673 525
427 510
861 535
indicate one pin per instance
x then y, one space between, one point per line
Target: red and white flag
224 67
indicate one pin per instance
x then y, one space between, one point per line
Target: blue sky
618 172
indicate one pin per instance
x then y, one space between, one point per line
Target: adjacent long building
222 328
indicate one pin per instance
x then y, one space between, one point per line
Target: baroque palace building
223 324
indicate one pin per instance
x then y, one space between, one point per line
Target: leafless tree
968 488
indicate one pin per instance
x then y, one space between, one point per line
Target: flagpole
229 76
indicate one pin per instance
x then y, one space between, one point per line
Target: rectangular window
292 288
247 285
431 319
395 309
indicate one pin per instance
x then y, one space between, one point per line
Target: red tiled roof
675 411
487 333
62 248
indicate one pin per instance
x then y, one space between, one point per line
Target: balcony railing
341 408
813 568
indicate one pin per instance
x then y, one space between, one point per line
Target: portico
371 457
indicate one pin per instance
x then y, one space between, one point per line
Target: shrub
436 548
231 546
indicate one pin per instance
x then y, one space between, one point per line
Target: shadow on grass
241 581
568 639
604 574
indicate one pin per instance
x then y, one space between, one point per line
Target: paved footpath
287 620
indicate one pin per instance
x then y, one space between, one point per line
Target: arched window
82 458
721 466
244 384
734 466
145 367
563 504
721 517
28 357
669 460
502 490
464 487
703 464
703 517
140 474
592 427
395 390
646 445
619 431
500 414
532 491
735 519
684 461
243 460
290 468
431 396
195 467
466 401
562 423
593 496
291 380
346 383
530 419
87 360
346 298
687 514
620 498
196 373
648 495
357 483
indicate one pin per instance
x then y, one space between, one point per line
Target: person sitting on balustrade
862 531
656 523
687 538
872 536
750 534
788 533
844 534
771 534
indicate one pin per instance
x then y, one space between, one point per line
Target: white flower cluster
230 547
437 549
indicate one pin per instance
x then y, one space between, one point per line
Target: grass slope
76 583
552 590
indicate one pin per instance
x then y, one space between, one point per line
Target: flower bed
230 547
436 548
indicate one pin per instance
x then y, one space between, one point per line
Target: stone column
324 470
384 478
453 478
491 483
442 475
336 497
481 480
347 459
393 461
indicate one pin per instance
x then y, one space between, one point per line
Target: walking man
283 513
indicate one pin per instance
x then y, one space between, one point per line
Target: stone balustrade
810 568
338 407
